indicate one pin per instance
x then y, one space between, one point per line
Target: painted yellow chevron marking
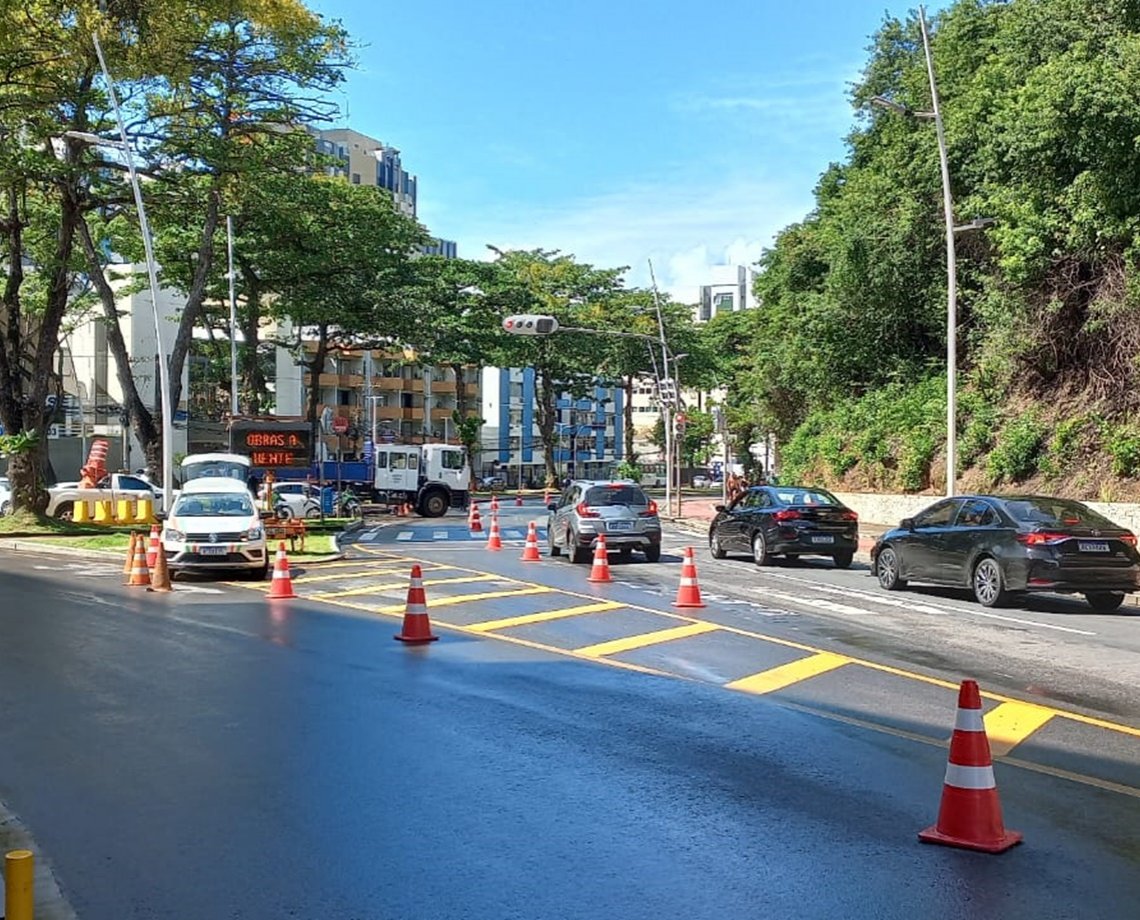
645 639
392 586
434 602
791 673
543 617
1009 724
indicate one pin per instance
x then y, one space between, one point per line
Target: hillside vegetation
846 358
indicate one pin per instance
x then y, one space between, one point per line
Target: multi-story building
589 432
730 292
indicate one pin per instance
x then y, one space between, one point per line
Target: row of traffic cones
145 566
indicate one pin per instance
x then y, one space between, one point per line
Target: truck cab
432 477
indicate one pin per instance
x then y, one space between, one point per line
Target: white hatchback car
215 525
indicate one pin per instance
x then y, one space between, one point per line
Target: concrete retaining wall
888 510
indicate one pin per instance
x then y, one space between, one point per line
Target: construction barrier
81 513
103 513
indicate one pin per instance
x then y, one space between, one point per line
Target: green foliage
1123 445
22 442
977 423
1065 443
627 470
1017 449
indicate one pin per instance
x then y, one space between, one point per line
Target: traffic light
667 391
530 324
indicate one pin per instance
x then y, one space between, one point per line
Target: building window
356 178
722 303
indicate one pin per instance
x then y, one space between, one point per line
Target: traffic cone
129 562
600 570
494 541
417 627
401 510
518 499
494 503
689 592
152 547
409 509
970 814
546 497
160 573
474 523
530 551
282 584
140 574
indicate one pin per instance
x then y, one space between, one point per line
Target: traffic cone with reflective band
282 584
530 551
494 541
409 509
474 523
600 570
970 814
417 627
689 592
546 497
494 503
140 574
160 573
518 499
152 547
129 562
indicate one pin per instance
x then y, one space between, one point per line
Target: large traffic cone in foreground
494 541
688 592
129 562
152 547
160 573
970 814
530 551
417 627
474 523
600 570
140 574
282 584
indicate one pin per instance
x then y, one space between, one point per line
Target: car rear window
1056 512
616 495
805 497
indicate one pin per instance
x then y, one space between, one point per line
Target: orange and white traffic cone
494 541
140 574
970 814
152 547
474 523
688 592
129 562
600 570
160 573
282 584
417 627
530 551
546 497
494 503
518 499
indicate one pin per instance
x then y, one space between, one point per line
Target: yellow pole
19 889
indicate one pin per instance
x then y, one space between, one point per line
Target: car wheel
843 560
988 584
552 548
652 552
579 555
715 547
284 512
312 512
66 511
887 570
1104 601
760 554
5 508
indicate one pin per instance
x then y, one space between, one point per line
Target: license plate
1092 546
620 525
823 539
212 550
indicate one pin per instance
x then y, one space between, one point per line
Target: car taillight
651 511
849 516
1129 538
1041 538
787 515
586 511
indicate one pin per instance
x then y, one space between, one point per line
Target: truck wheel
66 511
434 504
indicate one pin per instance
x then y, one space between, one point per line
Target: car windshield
1056 512
616 495
805 497
222 504
205 468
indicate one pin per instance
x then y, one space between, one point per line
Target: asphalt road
214 755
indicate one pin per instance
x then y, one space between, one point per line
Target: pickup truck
112 488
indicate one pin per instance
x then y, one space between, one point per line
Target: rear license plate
620 525
1092 546
212 550
823 539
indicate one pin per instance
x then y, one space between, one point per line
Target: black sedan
1004 546
769 521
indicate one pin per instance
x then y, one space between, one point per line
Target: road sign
340 425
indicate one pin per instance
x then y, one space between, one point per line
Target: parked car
215 525
617 508
770 521
294 500
1002 547
493 482
701 482
5 495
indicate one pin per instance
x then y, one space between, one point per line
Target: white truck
429 477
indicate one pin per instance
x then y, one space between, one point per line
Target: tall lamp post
951 255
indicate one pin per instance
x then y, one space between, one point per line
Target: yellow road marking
1011 723
392 586
468 598
791 673
645 639
543 617
314 579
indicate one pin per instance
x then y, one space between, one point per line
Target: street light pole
234 407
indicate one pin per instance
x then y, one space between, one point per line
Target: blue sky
618 131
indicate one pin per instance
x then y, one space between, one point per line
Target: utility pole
666 405
235 409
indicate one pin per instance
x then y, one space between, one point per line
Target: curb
50 902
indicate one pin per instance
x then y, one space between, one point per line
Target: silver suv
617 508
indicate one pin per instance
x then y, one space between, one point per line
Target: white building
729 291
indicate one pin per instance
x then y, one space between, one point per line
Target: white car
5 495
215 525
294 500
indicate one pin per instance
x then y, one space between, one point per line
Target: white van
214 524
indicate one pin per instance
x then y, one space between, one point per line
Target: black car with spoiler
770 521
1003 546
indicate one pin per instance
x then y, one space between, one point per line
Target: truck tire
65 511
434 503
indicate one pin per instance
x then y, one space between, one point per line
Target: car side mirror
553 506
907 523
720 508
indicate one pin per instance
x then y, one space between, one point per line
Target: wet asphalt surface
216 755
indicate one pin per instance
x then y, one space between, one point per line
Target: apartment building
729 291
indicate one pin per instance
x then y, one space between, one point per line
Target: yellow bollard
125 512
19 885
102 512
145 511
80 513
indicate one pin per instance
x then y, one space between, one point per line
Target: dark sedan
1004 546
769 521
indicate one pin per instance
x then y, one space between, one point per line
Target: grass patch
24 522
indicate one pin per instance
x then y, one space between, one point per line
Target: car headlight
254 533
175 536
